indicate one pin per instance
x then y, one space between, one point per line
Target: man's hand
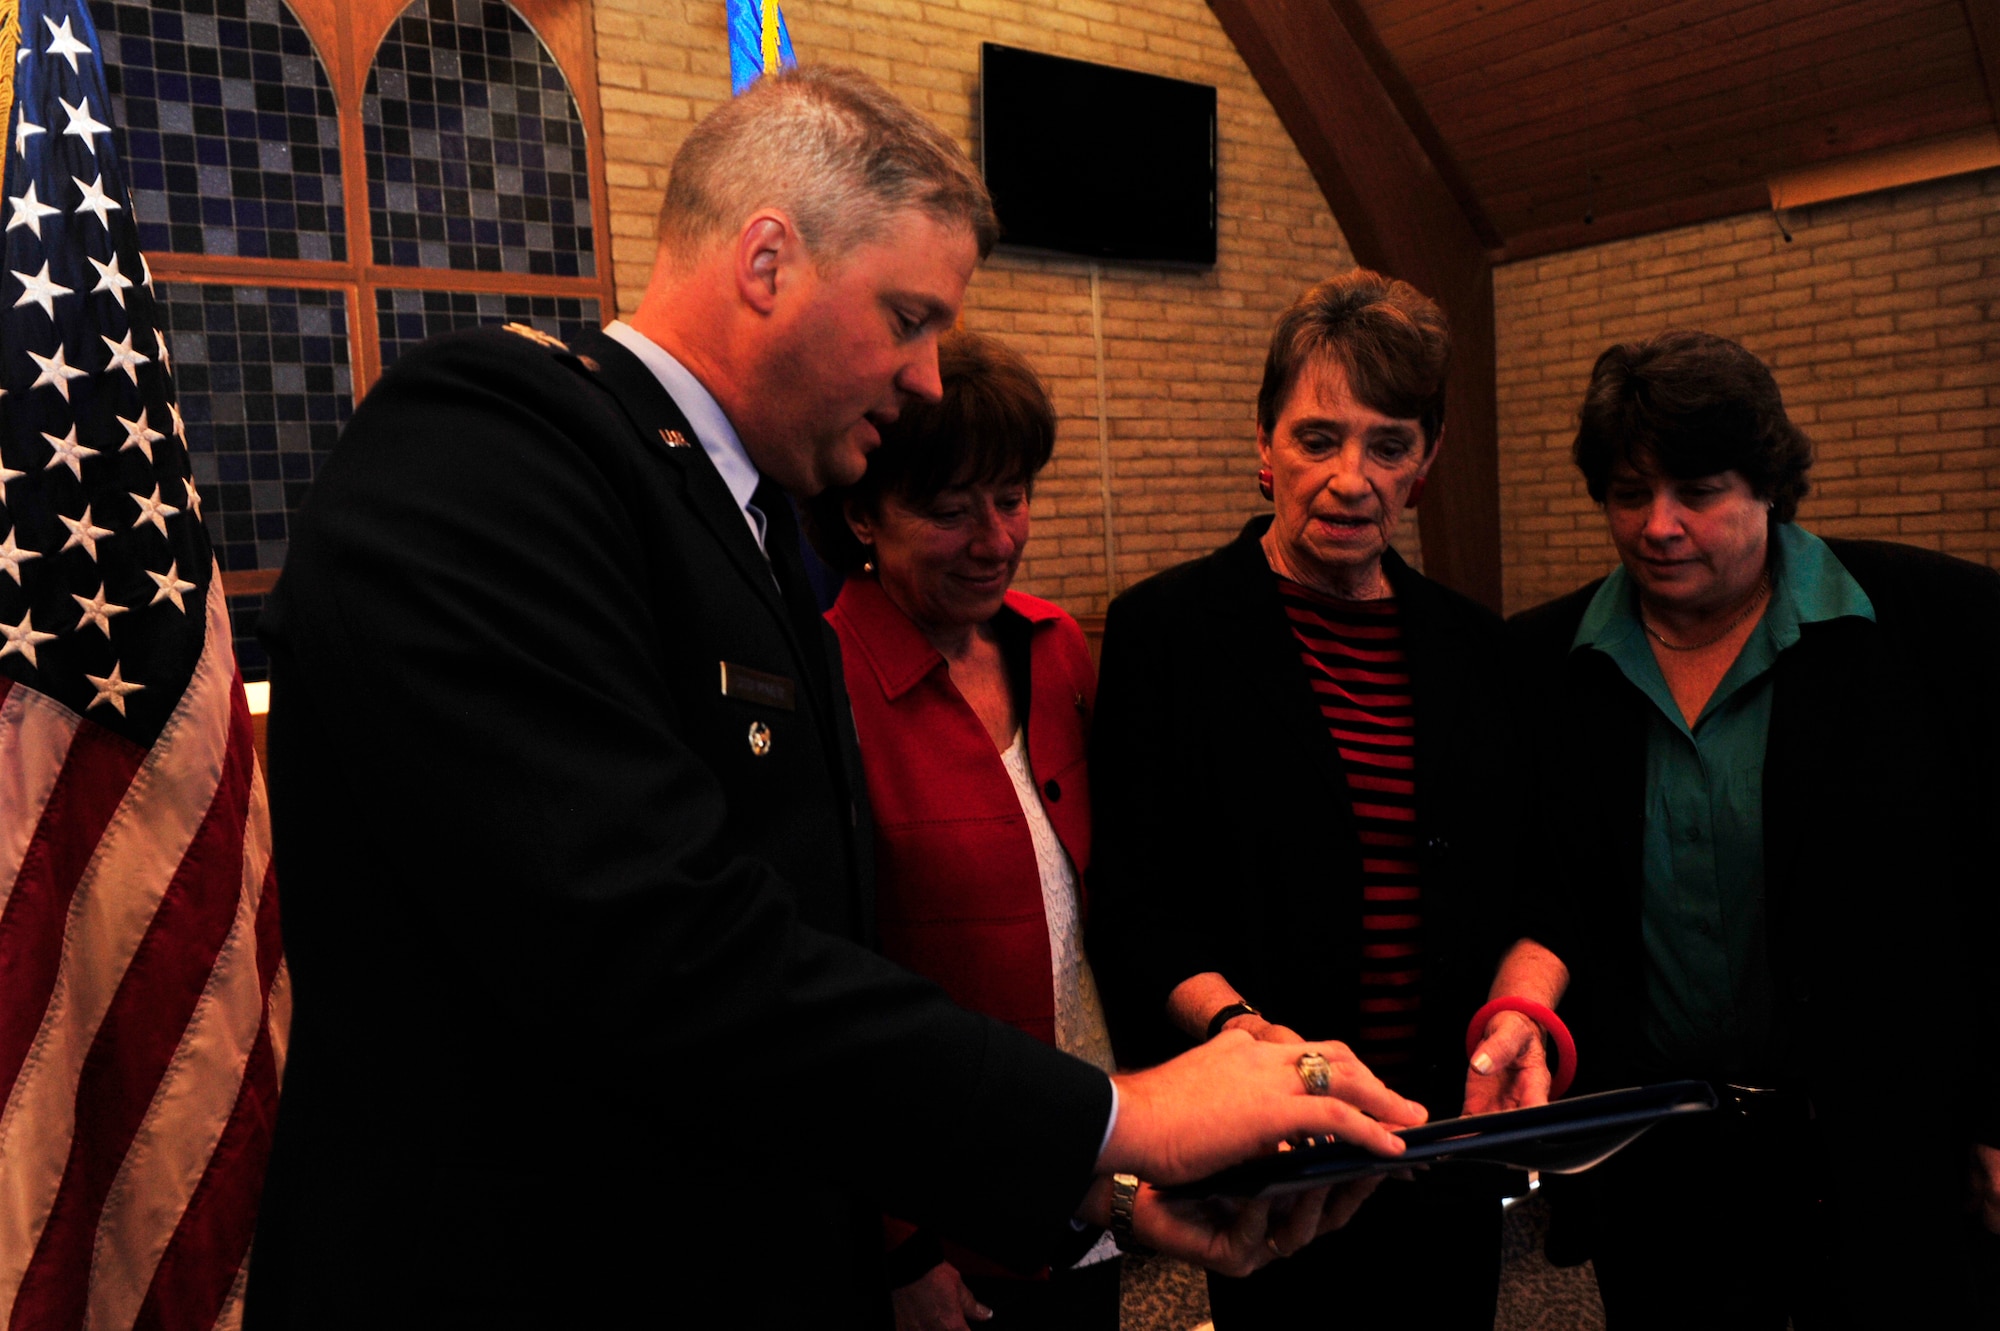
937 1301
1238 1239
1986 1185
1236 1097
1510 1069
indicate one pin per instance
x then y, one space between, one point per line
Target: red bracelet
1565 1069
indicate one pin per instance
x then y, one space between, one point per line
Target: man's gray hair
832 148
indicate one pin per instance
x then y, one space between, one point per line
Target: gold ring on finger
1316 1073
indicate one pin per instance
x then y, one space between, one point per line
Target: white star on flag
56 372
13 556
23 131
63 42
80 122
97 611
95 200
153 510
171 586
29 211
8 474
145 273
83 533
110 279
68 453
193 497
124 358
139 435
23 639
112 689
180 426
37 289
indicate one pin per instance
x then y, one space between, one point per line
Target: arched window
299 164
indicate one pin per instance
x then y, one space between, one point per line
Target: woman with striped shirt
1303 795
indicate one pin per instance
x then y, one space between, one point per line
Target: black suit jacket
1881 786
584 1028
1224 840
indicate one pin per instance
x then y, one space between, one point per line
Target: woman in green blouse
1769 766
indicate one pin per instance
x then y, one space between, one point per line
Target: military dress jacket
575 855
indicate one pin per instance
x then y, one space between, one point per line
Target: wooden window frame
346 35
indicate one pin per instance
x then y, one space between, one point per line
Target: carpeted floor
1165 1295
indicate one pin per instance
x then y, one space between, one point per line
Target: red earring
1416 492
1264 481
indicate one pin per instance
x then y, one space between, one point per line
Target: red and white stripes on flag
143 1008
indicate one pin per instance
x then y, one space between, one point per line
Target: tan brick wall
1183 351
1881 321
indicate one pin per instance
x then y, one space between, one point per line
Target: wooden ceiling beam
1398 211
1983 16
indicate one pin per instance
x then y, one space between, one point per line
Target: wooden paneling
1635 113
1542 105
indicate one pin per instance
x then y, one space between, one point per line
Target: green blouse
1708 980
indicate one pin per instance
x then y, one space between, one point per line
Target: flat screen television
1094 161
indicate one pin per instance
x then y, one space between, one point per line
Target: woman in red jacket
971 702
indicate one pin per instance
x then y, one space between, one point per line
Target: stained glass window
476 153
405 318
264 389
231 115
227 128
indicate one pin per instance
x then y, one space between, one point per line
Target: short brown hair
1390 339
1691 404
837 151
994 425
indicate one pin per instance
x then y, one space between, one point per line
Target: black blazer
1224 838
1881 785
584 1030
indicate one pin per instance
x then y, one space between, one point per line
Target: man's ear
767 244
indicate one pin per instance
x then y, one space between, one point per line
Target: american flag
143 1002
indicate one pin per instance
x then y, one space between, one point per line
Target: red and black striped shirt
1352 652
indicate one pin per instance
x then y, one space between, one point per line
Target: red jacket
958 896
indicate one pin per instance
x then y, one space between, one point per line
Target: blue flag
756 29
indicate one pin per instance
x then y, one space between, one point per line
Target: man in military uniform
573 835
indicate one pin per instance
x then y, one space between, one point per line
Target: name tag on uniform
747 685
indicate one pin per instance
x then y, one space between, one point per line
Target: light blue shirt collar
711 428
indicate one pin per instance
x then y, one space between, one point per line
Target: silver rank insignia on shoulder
536 336
673 438
760 739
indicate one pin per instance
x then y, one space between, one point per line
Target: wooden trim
1400 215
1750 197
216 269
248 582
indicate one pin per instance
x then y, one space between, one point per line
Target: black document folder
1566 1137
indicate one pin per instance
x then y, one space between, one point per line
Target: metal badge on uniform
535 335
673 438
747 685
760 739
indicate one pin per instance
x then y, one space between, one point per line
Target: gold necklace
1756 598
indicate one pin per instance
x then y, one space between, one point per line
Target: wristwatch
1124 1200
1224 1015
